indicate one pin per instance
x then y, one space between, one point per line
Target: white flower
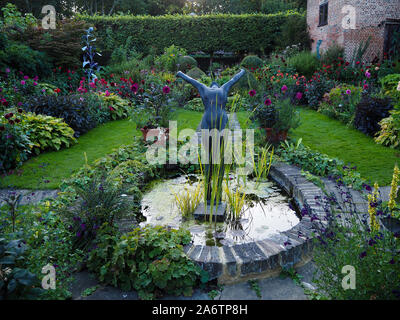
398 86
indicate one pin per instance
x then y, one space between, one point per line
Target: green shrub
186 63
15 145
389 85
305 63
21 57
332 54
389 134
196 73
340 104
168 61
247 82
118 107
294 30
62 45
252 62
47 133
350 240
240 33
150 260
100 201
74 109
16 281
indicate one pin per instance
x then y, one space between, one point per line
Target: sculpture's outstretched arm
198 85
227 86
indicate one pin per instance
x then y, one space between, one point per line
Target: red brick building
351 22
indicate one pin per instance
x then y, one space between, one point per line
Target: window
323 14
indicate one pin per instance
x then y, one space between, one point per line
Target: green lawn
319 132
55 166
335 139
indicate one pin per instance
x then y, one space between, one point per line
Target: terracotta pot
163 133
276 136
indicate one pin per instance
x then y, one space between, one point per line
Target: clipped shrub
196 73
305 63
369 112
252 32
73 109
46 132
252 62
247 82
185 63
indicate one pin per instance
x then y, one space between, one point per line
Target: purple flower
348 91
83 226
299 95
23 82
78 234
284 88
363 254
8 70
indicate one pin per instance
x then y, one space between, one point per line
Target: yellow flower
394 187
372 202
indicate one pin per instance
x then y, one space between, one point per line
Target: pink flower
107 93
134 87
299 95
365 86
252 93
8 70
111 108
284 88
26 77
166 89
35 83
267 102
348 91
367 74
23 82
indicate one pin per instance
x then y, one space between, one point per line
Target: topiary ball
196 73
252 62
186 63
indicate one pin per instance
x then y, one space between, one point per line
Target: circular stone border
267 258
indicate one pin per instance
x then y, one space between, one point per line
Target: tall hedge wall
208 33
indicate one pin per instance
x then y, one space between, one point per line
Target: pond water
267 212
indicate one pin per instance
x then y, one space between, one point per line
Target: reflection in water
266 213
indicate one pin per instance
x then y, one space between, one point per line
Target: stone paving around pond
279 288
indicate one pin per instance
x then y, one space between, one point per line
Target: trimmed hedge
208 33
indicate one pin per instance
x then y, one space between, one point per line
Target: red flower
10 121
20 110
111 108
166 89
134 87
58 90
267 102
252 93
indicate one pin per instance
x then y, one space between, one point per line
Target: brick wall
370 17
